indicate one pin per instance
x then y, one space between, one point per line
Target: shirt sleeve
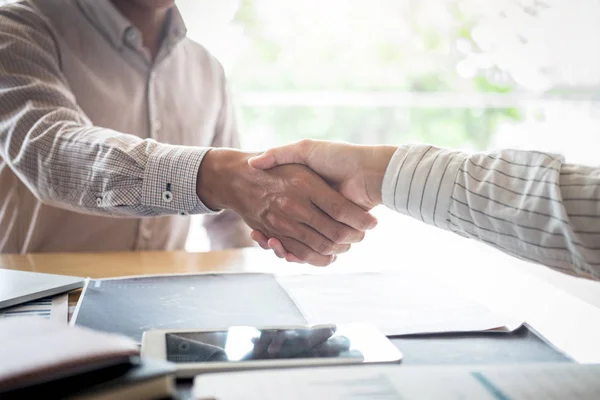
526 203
52 146
227 229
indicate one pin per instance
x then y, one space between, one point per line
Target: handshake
307 201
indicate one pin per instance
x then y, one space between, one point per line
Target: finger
335 231
320 335
284 227
261 345
290 154
293 259
305 253
279 251
261 239
341 209
275 245
277 343
318 242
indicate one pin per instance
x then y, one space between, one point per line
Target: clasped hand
355 171
291 203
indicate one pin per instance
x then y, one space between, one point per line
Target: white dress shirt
529 204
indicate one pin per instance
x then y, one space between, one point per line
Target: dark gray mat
211 301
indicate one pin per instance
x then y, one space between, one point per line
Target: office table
571 323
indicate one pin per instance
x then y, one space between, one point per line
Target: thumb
290 154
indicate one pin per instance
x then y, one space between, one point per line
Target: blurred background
467 74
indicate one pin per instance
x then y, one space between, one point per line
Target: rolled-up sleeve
52 146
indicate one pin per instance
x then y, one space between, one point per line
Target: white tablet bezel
154 346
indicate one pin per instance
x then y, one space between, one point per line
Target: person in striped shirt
530 204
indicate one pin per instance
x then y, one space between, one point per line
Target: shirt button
131 35
167 196
99 201
182 213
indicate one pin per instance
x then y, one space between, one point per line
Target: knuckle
268 219
337 211
299 181
284 203
325 248
305 144
275 222
341 235
302 236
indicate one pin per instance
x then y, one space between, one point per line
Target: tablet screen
243 343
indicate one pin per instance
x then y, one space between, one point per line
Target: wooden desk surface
569 322
104 265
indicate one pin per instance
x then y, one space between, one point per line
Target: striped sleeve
526 203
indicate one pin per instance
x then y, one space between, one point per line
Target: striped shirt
91 129
526 203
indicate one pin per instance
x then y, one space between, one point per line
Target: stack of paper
52 308
396 303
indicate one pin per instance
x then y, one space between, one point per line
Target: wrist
376 162
215 175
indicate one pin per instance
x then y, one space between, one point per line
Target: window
470 74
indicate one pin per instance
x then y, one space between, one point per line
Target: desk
570 322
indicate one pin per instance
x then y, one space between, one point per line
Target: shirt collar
119 31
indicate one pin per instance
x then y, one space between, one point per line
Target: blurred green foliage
356 45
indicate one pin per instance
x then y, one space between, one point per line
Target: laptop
17 287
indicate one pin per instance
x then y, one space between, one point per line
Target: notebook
44 359
18 287
36 350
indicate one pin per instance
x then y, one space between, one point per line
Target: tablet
246 347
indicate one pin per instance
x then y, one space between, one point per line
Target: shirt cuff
170 179
419 181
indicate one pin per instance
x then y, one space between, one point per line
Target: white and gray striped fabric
526 203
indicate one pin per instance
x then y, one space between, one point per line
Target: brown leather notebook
36 351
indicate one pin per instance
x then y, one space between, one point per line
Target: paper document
509 382
53 308
397 303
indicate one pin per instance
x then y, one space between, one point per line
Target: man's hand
290 203
355 171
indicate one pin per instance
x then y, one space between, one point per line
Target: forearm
528 204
